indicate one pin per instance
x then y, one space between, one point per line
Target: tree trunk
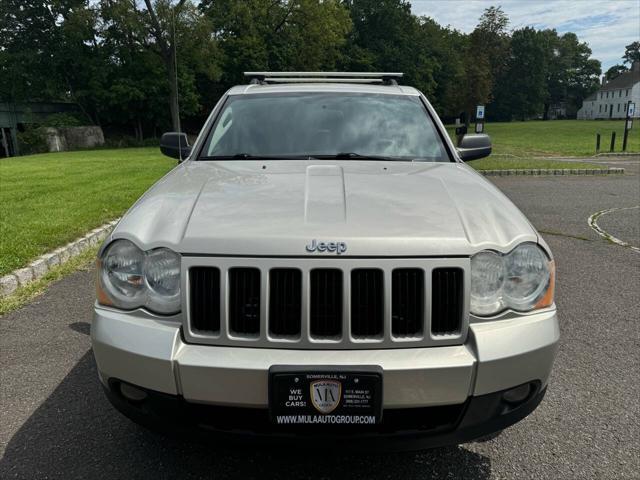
173 90
167 52
545 115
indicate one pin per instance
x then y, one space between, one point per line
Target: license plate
327 396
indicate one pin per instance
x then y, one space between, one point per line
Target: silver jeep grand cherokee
322 264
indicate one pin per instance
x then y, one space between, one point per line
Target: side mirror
175 145
474 146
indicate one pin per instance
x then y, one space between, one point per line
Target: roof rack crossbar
389 78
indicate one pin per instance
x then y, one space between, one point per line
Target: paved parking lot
56 424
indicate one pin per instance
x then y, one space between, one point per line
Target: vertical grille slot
367 302
407 302
285 301
244 300
325 313
446 312
204 298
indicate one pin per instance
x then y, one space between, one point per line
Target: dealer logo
325 395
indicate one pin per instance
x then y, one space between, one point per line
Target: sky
606 25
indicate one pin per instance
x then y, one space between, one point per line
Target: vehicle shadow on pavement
76 433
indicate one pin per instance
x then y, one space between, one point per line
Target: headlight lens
162 274
521 280
527 277
131 278
122 274
487 281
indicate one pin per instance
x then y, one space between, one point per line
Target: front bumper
401 429
149 352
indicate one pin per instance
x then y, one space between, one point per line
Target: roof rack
323 77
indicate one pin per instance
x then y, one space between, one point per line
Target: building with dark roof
614 96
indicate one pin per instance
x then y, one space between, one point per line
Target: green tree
386 36
632 53
42 44
444 47
522 89
117 58
139 72
133 89
614 71
486 56
313 36
490 39
571 72
167 25
277 34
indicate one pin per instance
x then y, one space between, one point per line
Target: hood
279 207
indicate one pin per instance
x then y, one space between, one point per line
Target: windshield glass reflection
321 124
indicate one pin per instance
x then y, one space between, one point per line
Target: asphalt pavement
55 422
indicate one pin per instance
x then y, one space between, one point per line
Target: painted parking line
593 223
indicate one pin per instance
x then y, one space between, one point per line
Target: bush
126 141
32 140
59 120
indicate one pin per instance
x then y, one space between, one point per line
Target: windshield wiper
337 156
354 156
248 156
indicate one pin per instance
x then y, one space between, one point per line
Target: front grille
205 298
324 303
367 302
244 300
285 301
407 300
446 312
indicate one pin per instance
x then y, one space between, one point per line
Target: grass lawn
48 200
558 137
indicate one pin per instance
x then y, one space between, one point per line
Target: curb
552 171
41 265
569 157
617 154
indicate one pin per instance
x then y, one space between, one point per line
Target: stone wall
73 138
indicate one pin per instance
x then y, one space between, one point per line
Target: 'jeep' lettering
334 247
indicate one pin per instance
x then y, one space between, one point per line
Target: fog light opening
517 394
131 393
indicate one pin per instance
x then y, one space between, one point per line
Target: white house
612 99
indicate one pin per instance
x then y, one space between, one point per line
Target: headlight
129 278
522 280
162 276
527 277
487 281
122 274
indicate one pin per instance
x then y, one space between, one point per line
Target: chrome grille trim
305 264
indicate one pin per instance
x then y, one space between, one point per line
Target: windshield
329 125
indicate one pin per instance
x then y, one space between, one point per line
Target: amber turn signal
547 299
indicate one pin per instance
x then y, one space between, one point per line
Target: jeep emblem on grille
338 247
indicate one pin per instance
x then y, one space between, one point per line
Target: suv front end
352 299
